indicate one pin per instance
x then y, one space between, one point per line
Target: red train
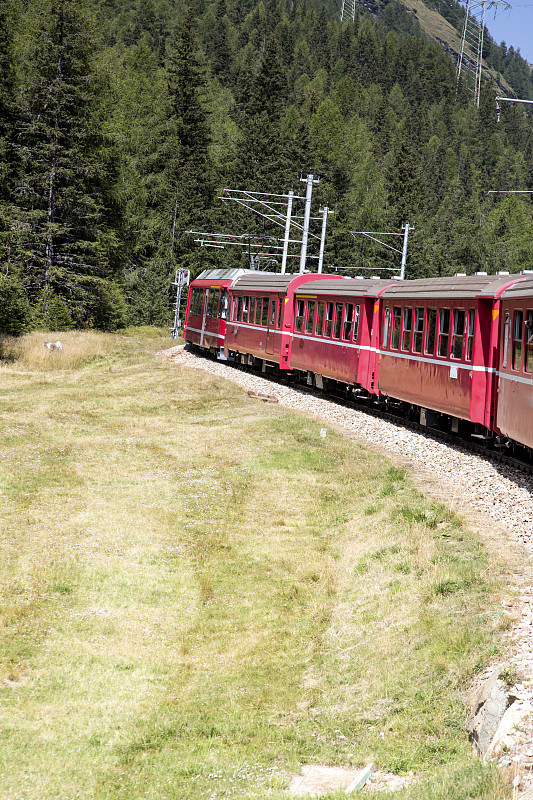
451 352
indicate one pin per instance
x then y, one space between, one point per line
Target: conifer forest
122 121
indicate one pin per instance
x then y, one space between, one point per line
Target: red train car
514 417
261 317
336 331
207 308
439 347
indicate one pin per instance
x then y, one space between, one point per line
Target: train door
204 316
272 316
367 343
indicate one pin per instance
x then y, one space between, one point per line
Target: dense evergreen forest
121 121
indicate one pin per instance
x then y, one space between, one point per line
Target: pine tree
14 314
187 196
69 248
7 103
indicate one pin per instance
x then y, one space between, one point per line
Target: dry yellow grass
79 347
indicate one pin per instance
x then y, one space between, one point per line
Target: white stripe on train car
370 349
207 333
517 378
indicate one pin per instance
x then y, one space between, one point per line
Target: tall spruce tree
13 316
63 189
187 178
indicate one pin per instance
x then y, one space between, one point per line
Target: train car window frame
245 308
528 345
239 308
337 328
280 306
356 322
328 322
223 307
216 303
320 319
264 313
418 329
396 328
518 335
299 317
458 334
505 356
431 330
443 342
470 334
386 326
407 328
192 303
273 312
310 320
348 322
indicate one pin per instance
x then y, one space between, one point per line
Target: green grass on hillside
199 594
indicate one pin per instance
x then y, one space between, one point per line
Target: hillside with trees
122 121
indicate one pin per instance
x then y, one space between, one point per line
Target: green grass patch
199 594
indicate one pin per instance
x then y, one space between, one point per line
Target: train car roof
362 287
220 274
523 288
263 281
453 286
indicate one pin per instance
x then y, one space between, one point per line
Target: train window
338 320
310 316
264 315
329 319
273 313
386 327
245 308
197 297
257 317
299 315
444 332
458 332
529 341
239 308
223 308
278 324
407 328
348 319
517 340
505 340
431 324
320 319
470 335
419 330
396 325
356 323
215 298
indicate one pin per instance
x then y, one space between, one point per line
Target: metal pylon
348 10
471 55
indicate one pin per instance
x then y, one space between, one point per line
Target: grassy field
199 594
